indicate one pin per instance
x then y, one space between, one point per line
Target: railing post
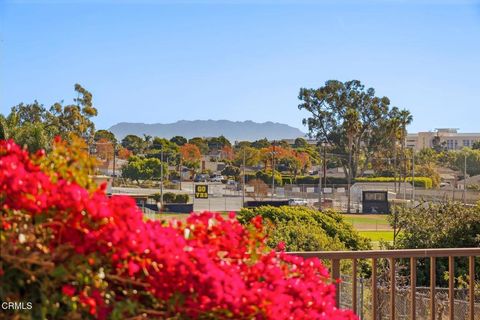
471 286
413 288
392 288
336 277
451 287
432 287
354 286
374 289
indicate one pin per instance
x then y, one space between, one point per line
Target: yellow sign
201 191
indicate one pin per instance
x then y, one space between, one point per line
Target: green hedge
306 229
170 197
287 180
313 180
422 182
267 177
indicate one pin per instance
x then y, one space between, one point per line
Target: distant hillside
232 130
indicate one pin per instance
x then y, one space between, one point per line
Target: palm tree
405 119
352 126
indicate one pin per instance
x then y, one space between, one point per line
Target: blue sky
163 61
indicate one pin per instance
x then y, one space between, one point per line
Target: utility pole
320 207
180 170
243 179
465 180
324 167
404 176
413 176
168 170
349 179
273 170
114 156
161 178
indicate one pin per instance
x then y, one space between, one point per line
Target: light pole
161 178
465 181
273 170
319 186
413 176
114 156
180 170
243 178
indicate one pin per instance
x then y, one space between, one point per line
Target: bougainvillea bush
77 254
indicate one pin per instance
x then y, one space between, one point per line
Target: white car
217 179
297 202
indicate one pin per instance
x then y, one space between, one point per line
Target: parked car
297 202
201 178
217 179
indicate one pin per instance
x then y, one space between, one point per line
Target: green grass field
378 235
368 222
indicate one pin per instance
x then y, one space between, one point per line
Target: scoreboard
201 191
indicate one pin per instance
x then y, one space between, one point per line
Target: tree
231 171
293 164
349 118
262 143
260 189
133 143
179 140
476 145
300 143
32 136
243 144
21 126
200 143
397 127
104 149
217 143
75 118
473 161
34 127
164 144
105 134
273 153
142 169
436 225
227 153
124 153
284 144
191 156
252 156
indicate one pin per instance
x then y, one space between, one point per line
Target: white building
450 139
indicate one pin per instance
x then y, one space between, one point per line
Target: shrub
266 176
78 254
231 171
182 198
170 197
307 180
332 231
287 180
437 225
314 180
422 182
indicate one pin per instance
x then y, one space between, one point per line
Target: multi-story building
449 139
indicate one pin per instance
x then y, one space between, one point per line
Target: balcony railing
413 255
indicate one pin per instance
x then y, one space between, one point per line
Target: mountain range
232 130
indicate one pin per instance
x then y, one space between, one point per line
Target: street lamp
273 169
